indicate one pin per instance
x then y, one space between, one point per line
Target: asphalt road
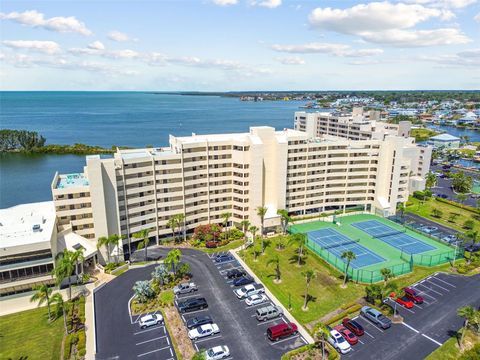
444 187
239 329
426 326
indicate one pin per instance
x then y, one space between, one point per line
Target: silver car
185 288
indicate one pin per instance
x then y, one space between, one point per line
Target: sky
235 45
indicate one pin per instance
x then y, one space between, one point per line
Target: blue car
223 257
244 280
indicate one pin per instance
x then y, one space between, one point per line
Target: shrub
143 291
207 232
420 195
200 355
82 343
81 309
469 224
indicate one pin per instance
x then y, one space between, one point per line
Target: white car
150 320
184 288
202 331
339 342
217 352
255 299
249 290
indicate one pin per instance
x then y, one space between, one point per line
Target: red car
353 326
405 302
412 294
351 338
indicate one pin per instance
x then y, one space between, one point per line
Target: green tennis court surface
377 242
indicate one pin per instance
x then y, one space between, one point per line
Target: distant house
444 141
470 118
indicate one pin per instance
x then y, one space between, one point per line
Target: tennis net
397 232
337 244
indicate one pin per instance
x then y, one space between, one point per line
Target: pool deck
71 180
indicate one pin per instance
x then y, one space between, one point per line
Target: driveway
425 327
239 329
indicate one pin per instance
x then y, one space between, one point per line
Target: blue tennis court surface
337 243
393 237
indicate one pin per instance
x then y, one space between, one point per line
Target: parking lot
425 327
239 329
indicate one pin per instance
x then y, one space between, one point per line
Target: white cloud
47 47
96 45
271 4
389 23
327 48
291 60
464 58
477 17
59 24
119 36
225 2
448 4
121 54
98 49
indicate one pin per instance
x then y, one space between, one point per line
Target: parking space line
366 332
188 296
441 287
196 311
411 328
147 341
436 292
208 338
270 321
421 292
280 341
151 329
443 281
361 342
254 306
435 341
153 351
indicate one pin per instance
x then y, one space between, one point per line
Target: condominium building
203 176
357 125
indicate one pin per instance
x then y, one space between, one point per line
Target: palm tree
180 222
172 224
103 241
113 240
173 258
284 218
298 239
57 299
42 295
144 240
430 180
322 333
467 313
253 230
77 257
245 224
262 211
226 218
276 262
401 209
64 267
308 275
386 274
349 256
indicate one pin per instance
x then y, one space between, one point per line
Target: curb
287 314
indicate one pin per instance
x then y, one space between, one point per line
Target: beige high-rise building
203 176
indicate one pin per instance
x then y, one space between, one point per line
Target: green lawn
425 210
450 350
28 335
231 245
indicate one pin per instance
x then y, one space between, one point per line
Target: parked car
376 317
473 247
192 304
255 299
339 342
280 331
185 288
211 244
268 312
235 273
223 258
353 326
198 321
405 301
217 352
429 229
150 320
244 280
249 290
450 238
413 295
351 338
203 331
443 196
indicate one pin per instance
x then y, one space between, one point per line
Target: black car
198 321
235 273
192 305
244 280
223 257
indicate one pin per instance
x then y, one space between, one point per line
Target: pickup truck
249 290
376 317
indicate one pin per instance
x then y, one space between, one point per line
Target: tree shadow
310 299
455 334
294 259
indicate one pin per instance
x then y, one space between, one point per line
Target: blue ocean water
132 119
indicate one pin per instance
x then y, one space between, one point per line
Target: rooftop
27 224
444 137
71 180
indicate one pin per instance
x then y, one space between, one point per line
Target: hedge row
344 314
332 354
460 206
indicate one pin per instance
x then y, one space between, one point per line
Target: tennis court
337 244
393 237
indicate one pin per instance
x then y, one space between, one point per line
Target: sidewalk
287 314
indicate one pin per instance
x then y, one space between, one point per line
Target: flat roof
445 137
71 180
27 224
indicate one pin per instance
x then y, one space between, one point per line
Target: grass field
28 335
393 256
425 210
450 350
